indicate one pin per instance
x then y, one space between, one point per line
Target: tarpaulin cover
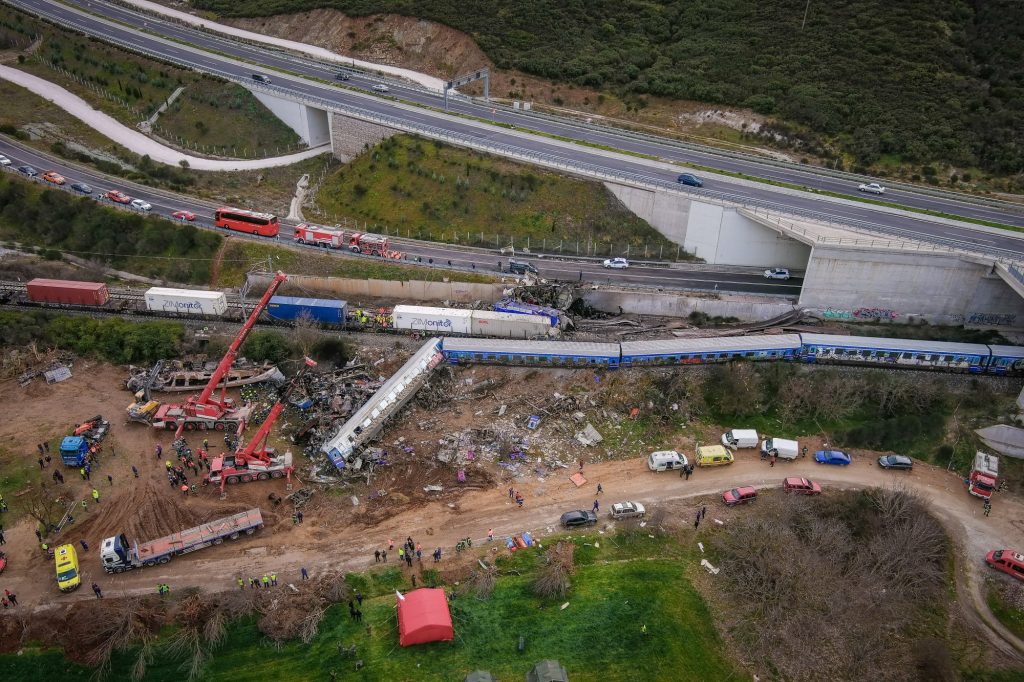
423 616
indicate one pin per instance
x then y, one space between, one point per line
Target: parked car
628 510
872 188
342 76
521 268
831 457
380 87
184 215
666 460
801 486
54 177
739 496
260 78
141 205
4 161
118 197
616 263
776 273
81 187
574 519
895 462
690 179
28 170
1007 561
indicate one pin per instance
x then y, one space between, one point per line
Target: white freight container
432 320
740 438
781 448
189 301
510 325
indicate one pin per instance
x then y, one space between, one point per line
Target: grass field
630 581
1003 608
419 188
209 111
239 255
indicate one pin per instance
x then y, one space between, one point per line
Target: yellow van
68 578
713 456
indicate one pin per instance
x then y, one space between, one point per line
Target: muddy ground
455 419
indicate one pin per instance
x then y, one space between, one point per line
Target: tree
46 506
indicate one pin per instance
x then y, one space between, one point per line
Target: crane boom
205 398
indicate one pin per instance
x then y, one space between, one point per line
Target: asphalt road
204 60
482 260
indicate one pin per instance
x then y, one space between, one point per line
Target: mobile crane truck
119 555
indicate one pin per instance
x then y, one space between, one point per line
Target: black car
895 462
260 78
29 171
690 179
343 76
578 518
81 187
518 268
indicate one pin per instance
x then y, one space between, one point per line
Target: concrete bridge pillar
309 123
350 137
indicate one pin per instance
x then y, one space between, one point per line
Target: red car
184 215
801 486
1007 561
739 496
118 197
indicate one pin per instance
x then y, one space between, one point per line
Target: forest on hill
920 81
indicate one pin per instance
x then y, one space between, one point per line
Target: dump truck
119 555
73 450
984 475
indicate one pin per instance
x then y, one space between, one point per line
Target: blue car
690 179
831 457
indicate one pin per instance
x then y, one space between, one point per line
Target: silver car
871 188
141 205
627 510
776 273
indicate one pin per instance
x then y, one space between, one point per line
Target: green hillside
917 81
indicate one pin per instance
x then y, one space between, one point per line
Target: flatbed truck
119 555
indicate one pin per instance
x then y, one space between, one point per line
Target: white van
781 448
665 460
740 438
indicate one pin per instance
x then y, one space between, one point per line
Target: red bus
241 220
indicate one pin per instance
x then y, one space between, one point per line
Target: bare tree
552 579
45 505
306 332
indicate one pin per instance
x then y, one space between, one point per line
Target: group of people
269 580
406 552
9 599
517 496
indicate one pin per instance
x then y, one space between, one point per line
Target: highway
439 255
202 58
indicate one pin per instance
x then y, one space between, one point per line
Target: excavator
256 461
208 411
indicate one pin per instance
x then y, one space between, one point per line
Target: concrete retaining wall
436 292
679 305
847 283
350 137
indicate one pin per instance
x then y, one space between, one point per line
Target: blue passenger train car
908 353
459 351
1006 360
710 350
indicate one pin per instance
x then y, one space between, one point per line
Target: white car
616 263
141 205
872 188
380 87
628 510
4 161
776 273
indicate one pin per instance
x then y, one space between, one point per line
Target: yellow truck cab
713 456
68 577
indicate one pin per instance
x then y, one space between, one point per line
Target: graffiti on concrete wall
833 314
875 314
994 319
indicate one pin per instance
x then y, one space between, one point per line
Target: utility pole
806 9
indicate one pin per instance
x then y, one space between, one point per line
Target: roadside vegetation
1006 600
632 580
851 585
209 113
422 189
240 255
951 105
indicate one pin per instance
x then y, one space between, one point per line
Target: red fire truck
320 236
372 244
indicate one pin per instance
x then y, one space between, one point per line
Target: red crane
256 461
207 411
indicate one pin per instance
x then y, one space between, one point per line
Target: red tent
423 616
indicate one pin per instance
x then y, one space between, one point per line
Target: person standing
771 463
703 512
97 590
85 545
596 506
599 489
401 554
305 573
376 556
511 493
135 471
384 556
110 479
96 495
490 535
241 583
13 598
3 537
